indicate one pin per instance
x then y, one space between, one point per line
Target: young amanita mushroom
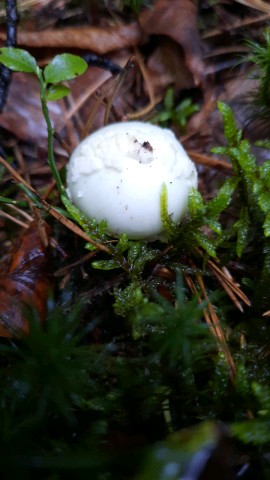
117 173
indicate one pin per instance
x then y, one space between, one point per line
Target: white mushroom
118 172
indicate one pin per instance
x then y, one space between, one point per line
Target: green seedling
179 114
61 68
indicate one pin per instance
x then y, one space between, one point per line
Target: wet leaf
223 198
266 225
64 67
196 206
55 92
264 202
25 284
232 134
242 231
244 157
105 264
205 243
18 60
264 170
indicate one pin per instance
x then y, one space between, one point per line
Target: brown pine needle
226 279
13 219
210 161
144 111
118 84
212 321
246 22
145 75
228 283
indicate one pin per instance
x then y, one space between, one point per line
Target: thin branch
5 73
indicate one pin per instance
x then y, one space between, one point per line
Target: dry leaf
177 20
25 283
22 115
96 39
166 66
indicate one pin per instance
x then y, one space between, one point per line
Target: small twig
62 271
5 73
209 161
104 63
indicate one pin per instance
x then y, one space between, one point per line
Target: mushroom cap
117 174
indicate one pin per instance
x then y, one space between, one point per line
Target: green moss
135 359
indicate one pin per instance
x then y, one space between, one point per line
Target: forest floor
127 360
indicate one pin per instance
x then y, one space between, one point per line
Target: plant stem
50 130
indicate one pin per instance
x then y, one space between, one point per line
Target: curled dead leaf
177 20
25 284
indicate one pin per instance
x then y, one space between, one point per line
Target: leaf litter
196 49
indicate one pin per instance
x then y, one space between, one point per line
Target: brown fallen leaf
177 19
22 114
100 40
25 282
166 66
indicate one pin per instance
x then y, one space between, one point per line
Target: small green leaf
265 172
258 186
214 225
232 134
205 243
55 92
223 198
183 111
168 100
135 250
263 144
161 117
196 206
64 67
220 150
266 225
123 243
90 226
244 157
105 264
18 60
242 231
264 202
167 222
